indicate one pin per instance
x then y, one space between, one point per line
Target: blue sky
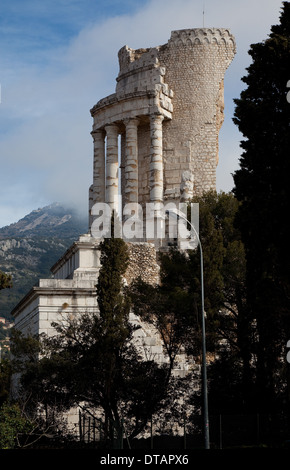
59 57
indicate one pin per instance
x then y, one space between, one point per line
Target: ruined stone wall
143 263
195 62
190 70
168 106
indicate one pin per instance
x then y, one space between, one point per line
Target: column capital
156 117
133 121
98 134
112 128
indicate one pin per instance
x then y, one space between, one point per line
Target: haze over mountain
29 247
52 220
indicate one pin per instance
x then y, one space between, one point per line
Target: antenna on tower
203 15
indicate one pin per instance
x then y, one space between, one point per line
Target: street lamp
180 215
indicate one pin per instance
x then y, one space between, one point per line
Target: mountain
29 247
50 221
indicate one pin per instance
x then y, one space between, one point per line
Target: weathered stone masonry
164 119
168 110
155 140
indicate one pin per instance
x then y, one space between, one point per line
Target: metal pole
184 431
221 432
204 371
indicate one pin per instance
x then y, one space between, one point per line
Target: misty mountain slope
50 221
29 247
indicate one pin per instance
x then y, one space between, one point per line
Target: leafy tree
5 281
234 333
13 424
262 115
5 369
174 306
5 378
93 361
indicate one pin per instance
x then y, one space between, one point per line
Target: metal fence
254 430
226 431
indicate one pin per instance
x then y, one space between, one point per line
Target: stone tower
155 141
156 137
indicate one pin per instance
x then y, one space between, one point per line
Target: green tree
5 281
92 359
174 306
262 115
13 425
5 378
225 290
5 367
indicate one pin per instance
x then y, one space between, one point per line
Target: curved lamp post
180 215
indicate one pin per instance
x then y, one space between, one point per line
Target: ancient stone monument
168 111
155 141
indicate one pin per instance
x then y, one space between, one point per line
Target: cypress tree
262 115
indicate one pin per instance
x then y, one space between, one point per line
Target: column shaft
112 166
131 162
156 159
99 167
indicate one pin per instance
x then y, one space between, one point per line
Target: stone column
156 159
154 219
99 166
112 166
131 162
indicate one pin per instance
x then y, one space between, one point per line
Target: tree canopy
174 306
93 362
262 114
5 281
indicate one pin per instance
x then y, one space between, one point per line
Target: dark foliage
261 185
93 361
